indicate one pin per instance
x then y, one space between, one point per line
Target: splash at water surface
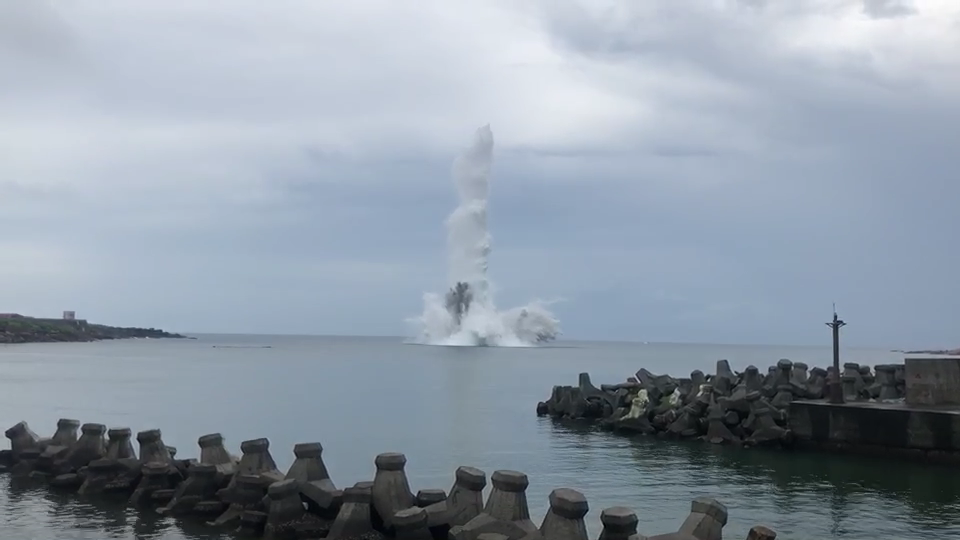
466 314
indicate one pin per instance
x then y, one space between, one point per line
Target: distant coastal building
68 318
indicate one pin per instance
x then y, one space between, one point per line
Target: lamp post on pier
836 391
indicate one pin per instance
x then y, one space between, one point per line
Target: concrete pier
924 425
888 429
932 380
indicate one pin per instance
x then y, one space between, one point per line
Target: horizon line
562 340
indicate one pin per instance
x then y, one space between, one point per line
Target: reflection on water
863 495
107 514
29 502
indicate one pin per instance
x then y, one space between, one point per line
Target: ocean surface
444 407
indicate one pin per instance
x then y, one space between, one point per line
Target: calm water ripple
446 407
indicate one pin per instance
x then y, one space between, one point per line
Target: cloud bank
676 171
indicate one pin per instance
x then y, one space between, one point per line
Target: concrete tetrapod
706 520
752 381
159 473
255 462
123 470
156 485
56 448
645 404
213 452
411 524
697 380
285 509
66 434
508 499
391 490
152 449
851 370
426 497
760 532
799 375
887 379
260 503
252 523
201 485
90 446
21 438
465 501
619 523
564 519
316 487
817 383
119 445
98 474
724 380
717 430
506 511
355 517
784 387
588 390
28 461
849 384
247 493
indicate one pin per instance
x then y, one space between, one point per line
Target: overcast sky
706 170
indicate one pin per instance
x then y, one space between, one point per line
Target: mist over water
467 315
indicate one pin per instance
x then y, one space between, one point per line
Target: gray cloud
882 9
672 171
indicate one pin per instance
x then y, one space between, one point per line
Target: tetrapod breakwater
250 496
746 408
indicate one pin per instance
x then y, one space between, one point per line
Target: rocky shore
249 495
30 330
749 408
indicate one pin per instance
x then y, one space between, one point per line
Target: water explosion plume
466 314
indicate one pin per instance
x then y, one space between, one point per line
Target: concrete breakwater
249 495
748 408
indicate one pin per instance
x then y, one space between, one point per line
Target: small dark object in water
458 300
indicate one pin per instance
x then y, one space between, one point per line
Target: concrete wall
932 381
876 428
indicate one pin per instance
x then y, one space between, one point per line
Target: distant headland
16 328
950 352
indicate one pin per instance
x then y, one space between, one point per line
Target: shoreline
23 330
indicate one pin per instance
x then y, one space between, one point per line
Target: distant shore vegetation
33 330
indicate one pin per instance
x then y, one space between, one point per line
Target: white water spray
466 315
